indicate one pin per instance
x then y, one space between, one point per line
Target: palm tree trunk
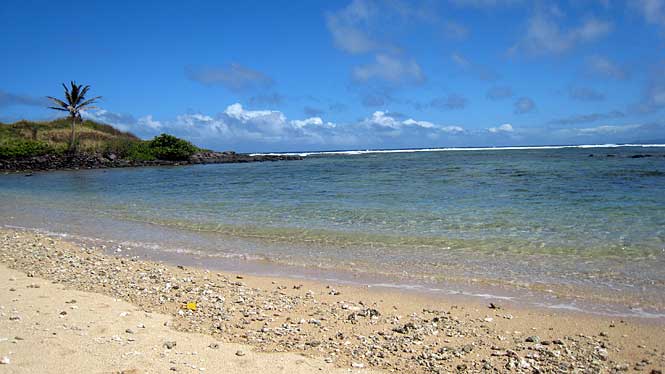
72 137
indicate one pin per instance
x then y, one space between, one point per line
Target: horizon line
352 152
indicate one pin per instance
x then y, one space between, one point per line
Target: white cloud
352 27
505 128
544 35
313 122
452 129
350 38
391 69
149 122
384 121
381 119
423 124
269 130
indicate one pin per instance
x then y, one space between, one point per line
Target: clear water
556 225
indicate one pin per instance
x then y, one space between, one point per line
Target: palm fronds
74 103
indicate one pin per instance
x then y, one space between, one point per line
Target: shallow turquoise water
514 218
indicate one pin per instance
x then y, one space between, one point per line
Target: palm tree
76 102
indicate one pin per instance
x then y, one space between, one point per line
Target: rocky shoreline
101 161
348 326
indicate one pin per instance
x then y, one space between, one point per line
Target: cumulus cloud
602 66
391 69
524 105
499 93
150 123
450 102
544 34
245 130
505 128
584 118
9 99
312 122
234 77
390 125
585 94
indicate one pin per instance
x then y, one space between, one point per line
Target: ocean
580 227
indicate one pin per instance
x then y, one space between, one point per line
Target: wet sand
317 326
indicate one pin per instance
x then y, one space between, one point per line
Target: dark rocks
232 157
533 339
169 345
405 328
369 313
101 161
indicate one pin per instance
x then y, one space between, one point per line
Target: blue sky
322 75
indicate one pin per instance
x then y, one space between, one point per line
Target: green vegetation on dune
73 135
26 138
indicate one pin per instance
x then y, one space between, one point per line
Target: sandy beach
47 328
65 308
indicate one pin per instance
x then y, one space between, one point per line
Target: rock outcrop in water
100 161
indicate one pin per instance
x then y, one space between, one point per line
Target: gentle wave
413 150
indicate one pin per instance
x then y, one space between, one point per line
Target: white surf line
448 149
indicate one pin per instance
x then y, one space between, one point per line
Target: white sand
92 338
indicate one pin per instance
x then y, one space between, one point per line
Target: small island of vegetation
75 143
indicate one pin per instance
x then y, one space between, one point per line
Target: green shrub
168 147
140 151
18 148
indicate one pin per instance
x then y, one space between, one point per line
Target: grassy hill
26 139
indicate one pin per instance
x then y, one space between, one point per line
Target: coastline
349 326
51 162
